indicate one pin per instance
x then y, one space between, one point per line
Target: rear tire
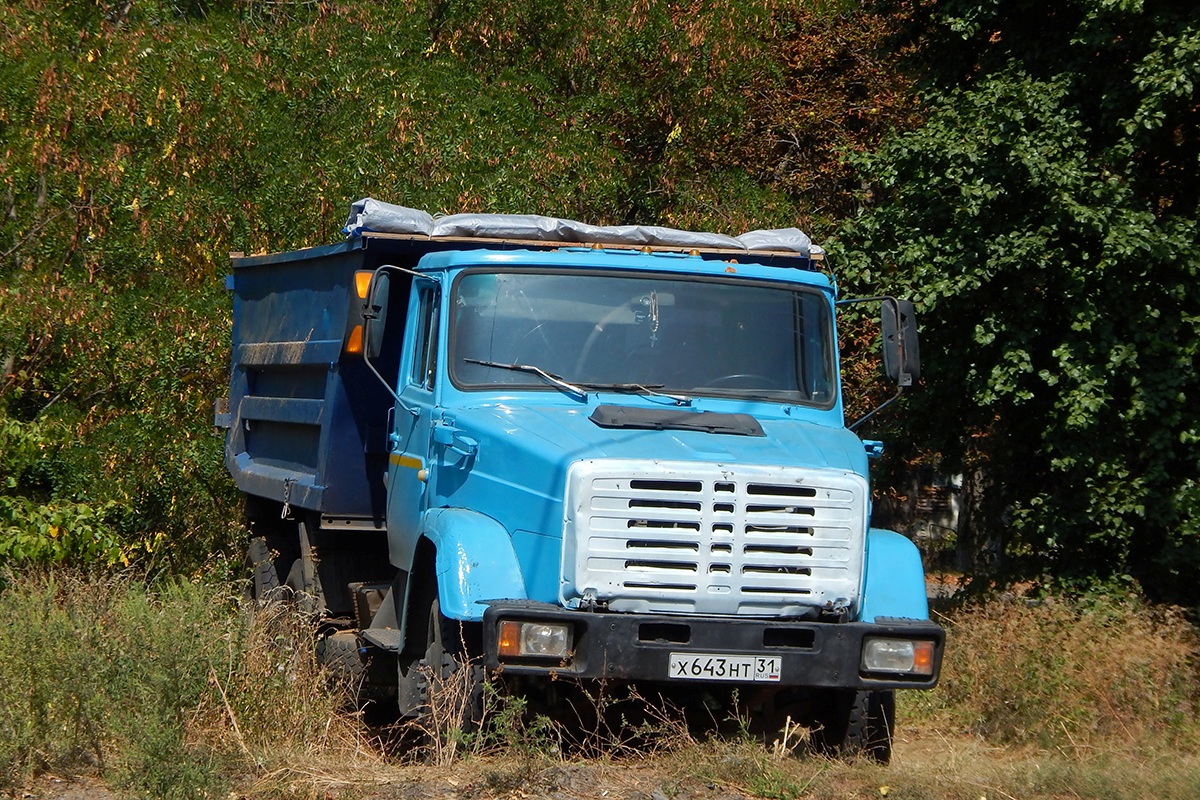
341 655
265 586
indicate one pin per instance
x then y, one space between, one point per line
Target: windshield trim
737 395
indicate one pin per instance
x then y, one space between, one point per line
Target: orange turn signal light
922 658
510 639
362 282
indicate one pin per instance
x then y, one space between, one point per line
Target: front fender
894 585
475 562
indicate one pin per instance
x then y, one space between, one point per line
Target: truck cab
583 460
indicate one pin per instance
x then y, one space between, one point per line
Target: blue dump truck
528 448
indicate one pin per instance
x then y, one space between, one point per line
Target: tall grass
169 692
180 691
1076 676
1039 699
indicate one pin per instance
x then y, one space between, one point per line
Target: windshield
649 332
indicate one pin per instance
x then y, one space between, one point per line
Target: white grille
683 537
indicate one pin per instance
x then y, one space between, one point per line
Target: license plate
718 667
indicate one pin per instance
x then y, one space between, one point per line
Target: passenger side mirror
901 343
375 313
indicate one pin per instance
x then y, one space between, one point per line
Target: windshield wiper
640 388
549 377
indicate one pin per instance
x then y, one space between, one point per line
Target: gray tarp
373 215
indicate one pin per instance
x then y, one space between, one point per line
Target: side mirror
901 344
375 314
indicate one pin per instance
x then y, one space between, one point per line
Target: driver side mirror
375 314
901 343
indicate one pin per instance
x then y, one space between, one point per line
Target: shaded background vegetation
1025 171
1044 217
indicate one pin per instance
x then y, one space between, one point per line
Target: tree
1045 219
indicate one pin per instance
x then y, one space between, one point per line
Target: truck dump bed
303 410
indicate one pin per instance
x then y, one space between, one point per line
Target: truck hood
557 433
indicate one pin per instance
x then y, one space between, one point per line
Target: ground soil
677 776
926 766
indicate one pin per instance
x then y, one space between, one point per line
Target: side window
425 361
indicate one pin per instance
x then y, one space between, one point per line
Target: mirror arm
407 271
876 410
876 299
369 314
416 412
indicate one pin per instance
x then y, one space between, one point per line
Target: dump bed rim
364 240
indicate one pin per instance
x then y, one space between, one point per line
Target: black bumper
638 647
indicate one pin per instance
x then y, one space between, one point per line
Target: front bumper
639 647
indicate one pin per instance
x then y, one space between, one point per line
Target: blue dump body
627 463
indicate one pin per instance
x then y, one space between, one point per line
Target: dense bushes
139 143
1045 218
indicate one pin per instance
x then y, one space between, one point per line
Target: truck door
410 467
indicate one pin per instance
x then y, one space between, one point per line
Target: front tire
857 724
444 685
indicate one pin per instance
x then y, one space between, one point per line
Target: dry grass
1078 677
275 708
180 692
172 692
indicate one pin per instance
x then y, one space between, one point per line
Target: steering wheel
586 351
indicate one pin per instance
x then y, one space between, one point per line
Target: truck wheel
264 578
859 724
444 687
341 655
456 688
365 674
303 579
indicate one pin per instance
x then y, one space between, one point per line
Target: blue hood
560 434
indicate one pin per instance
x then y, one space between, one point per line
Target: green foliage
666 84
1050 244
140 142
32 531
76 533
108 437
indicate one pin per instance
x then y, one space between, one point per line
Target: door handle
455 440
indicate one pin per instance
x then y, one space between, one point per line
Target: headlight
526 638
904 656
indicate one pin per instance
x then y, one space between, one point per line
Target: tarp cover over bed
370 215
